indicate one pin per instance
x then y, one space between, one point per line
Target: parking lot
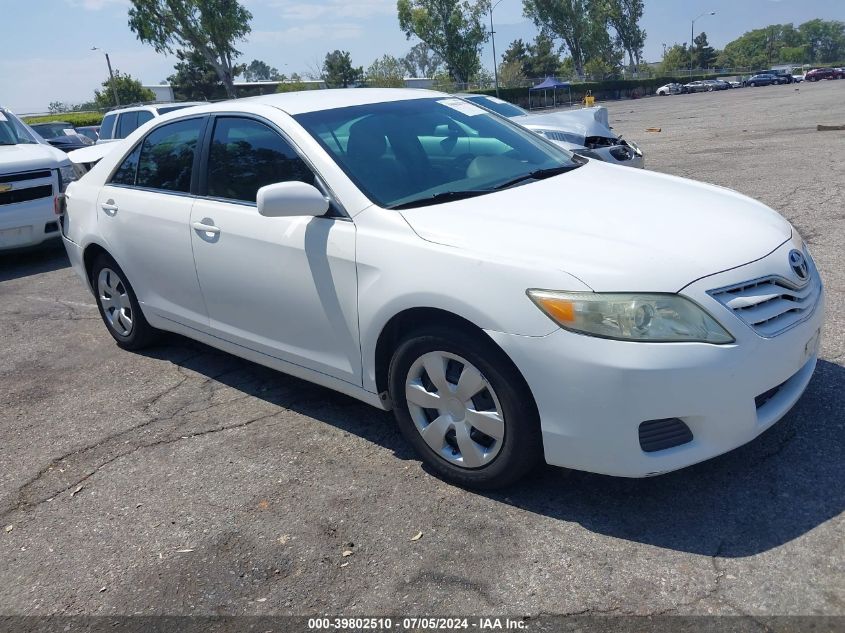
186 481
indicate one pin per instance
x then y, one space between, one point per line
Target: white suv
118 124
33 175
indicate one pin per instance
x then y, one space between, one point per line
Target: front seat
366 157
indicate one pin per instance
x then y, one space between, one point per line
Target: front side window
426 151
166 157
143 117
246 155
128 170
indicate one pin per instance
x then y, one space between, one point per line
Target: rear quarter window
107 126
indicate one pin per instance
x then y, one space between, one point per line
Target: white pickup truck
33 176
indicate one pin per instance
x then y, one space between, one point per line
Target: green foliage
453 29
129 90
76 119
210 27
576 22
624 17
703 55
338 71
421 61
195 79
258 70
387 72
676 57
511 75
813 42
295 84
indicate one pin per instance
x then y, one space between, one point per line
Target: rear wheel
464 407
118 305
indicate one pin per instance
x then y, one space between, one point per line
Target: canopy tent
550 83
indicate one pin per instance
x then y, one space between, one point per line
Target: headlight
656 318
67 175
620 152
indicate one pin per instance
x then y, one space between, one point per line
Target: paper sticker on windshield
462 106
497 100
3 117
69 131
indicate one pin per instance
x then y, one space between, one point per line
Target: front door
286 287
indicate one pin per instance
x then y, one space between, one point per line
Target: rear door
144 214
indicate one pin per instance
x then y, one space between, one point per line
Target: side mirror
291 199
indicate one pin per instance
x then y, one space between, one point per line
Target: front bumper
28 223
592 394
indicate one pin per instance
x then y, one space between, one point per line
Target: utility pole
493 38
692 36
111 76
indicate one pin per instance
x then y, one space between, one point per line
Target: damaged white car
585 131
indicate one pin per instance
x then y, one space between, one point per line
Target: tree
703 55
387 72
517 53
210 27
294 84
421 61
195 79
816 41
578 23
624 17
338 71
511 75
825 40
453 29
257 70
129 90
543 59
675 58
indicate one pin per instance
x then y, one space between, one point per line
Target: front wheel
119 306
464 407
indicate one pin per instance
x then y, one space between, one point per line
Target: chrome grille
772 304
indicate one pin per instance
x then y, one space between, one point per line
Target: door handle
201 227
109 208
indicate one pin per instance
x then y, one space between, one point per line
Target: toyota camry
419 253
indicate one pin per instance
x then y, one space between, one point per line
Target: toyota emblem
798 263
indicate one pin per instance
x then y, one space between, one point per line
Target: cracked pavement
186 481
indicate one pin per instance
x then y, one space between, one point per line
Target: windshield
498 106
12 131
53 130
405 151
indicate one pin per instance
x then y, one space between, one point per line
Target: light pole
692 36
493 37
111 76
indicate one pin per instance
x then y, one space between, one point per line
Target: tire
440 355
119 306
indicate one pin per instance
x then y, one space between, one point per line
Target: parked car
62 135
698 86
717 84
762 79
735 84
91 131
33 176
510 302
823 73
797 78
670 89
585 131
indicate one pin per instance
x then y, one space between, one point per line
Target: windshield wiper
445 196
538 174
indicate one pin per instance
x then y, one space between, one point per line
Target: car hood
30 156
584 121
615 229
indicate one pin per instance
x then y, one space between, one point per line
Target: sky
45 49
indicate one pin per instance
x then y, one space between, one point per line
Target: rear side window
143 117
126 124
107 126
167 156
126 173
247 155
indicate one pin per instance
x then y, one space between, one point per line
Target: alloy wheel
114 299
455 409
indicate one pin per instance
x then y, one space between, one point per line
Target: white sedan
421 254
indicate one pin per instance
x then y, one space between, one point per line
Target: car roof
153 107
315 100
